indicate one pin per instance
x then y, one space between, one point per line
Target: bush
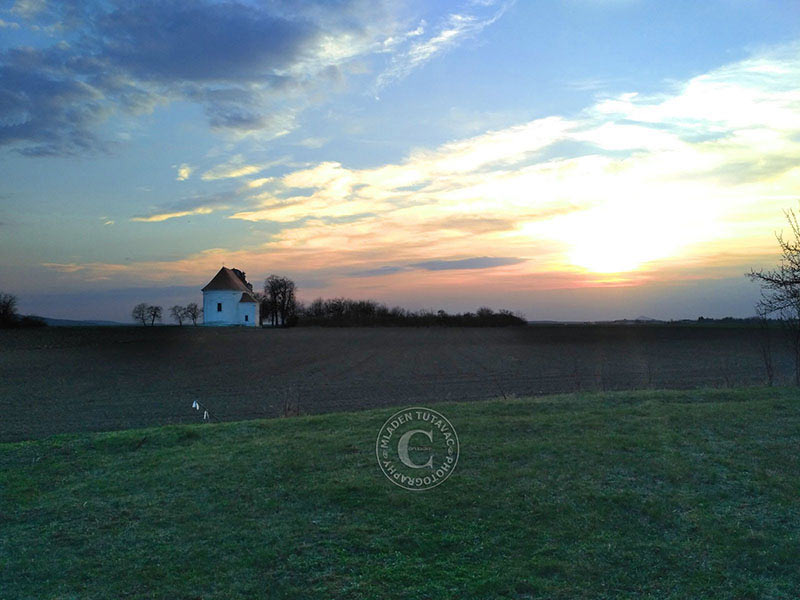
9 317
31 321
8 310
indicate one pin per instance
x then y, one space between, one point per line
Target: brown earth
57 380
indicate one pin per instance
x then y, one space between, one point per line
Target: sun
624 236
612 240
607 256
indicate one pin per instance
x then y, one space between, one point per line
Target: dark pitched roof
247 297
226 280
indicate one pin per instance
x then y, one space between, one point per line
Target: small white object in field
205 415
195 405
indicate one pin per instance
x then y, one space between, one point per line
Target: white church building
229 300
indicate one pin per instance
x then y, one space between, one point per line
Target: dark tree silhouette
484 312
780 288
344 312
139 313
242 275
193 312
8 310
279 302
154 314
178 313
266 306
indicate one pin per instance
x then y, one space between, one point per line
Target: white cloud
257 183
313 142
165 216
184 172
29 8
455 28
237 167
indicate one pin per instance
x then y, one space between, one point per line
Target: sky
565 159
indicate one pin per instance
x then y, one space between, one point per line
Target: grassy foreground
640 494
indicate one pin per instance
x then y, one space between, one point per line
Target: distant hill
74 323
638 320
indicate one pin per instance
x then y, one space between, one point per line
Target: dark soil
57 380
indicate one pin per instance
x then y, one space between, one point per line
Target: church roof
226 280
247 297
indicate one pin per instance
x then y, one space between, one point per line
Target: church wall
230 307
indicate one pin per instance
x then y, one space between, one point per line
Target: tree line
279 307
344 312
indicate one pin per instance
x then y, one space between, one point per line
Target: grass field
652 494
61 380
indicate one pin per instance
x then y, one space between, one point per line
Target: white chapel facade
228 300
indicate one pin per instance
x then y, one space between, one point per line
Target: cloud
196 42
455 28
237 167
476 167
230 172
480 262
253 67
48 111
184 172
28 8
313 142
256 183
194 205
64 267
378 272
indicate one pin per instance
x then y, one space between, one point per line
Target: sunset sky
567 159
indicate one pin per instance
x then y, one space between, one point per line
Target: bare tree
178 313
193 312
267 307
279 302
288 302
8 310
139 313
780 288
154 314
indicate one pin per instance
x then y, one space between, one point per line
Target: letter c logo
402 449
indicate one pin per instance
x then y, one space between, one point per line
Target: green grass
640 494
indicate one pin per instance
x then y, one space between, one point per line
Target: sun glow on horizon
623 236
